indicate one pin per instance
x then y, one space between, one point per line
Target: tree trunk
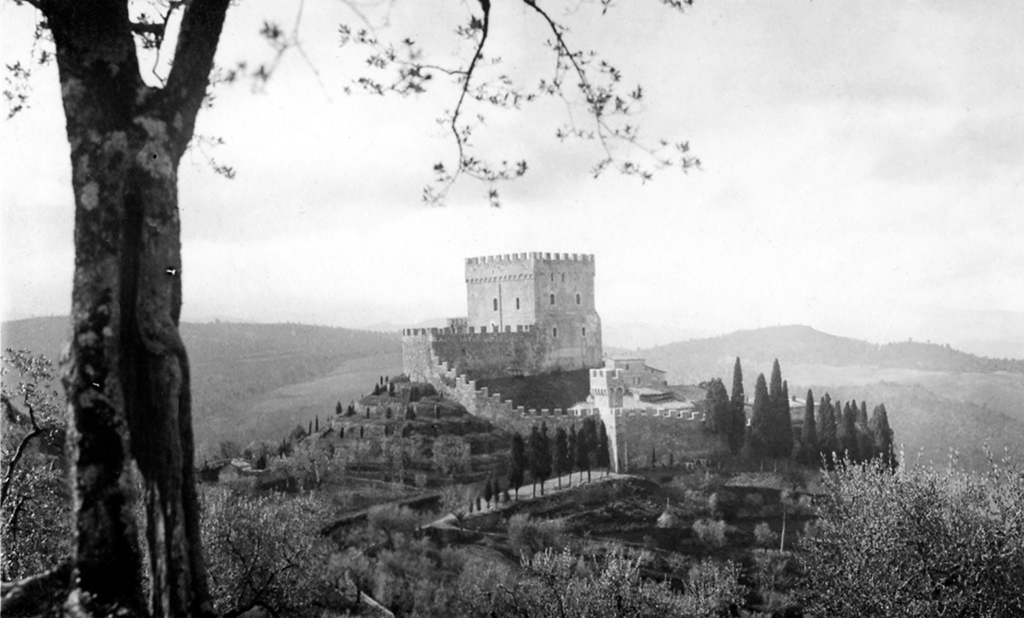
126 373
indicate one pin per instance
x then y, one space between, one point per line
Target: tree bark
126 372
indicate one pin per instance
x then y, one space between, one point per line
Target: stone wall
636 432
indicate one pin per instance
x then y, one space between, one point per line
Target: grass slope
236 368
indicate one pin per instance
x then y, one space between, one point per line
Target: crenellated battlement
531 256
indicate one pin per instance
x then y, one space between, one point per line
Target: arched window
552 299
552 276
495 304
578 299
554 332
563 277
584 331
517 303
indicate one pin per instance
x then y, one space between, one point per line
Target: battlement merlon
539 256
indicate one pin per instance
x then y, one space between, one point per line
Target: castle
531 314
528 314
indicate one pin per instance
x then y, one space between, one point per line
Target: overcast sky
862 173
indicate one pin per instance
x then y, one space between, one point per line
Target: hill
254 381
938 398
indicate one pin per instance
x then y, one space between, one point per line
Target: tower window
517 303
554 332
584 331
578 299
552 276
495 304
552 299
563 277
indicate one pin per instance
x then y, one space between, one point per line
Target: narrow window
552 276
495 304
552 299
563 277
517 303
577 299
584 329
554 332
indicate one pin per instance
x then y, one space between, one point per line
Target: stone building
527 314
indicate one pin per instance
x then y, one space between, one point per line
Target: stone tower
527 313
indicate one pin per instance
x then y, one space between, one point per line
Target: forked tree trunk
126 373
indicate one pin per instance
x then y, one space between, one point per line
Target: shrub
765 536
724 504
920 543
265 552
528 537
710 532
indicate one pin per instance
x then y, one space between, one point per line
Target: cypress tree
654 458
760 419
391 389
738 414
534 456
317 425
582 455
310 431
518 464
604 458
882 436
809 436
590 428
783 425
488 492
847 433
865 443
561 454
572 451
775 391
338 408
717 415
827 443
545 456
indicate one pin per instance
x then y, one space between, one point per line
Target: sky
862 172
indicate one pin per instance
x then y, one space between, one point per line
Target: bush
920 543
765 536
710 532
528 537
267 553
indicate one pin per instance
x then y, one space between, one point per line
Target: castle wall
672 436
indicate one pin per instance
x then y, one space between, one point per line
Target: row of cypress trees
841 433
565 453
837 433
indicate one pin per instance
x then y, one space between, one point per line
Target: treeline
833 434
545 456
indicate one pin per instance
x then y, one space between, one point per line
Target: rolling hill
254 381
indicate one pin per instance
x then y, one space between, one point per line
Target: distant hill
938 398
691 361
241 373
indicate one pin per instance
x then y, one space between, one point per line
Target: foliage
311 461
710 532
717 415
737 429
765 536
517 464
808 453
918 543
527 537
713 589
761 419
35 503
266 552
559 584
451 454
